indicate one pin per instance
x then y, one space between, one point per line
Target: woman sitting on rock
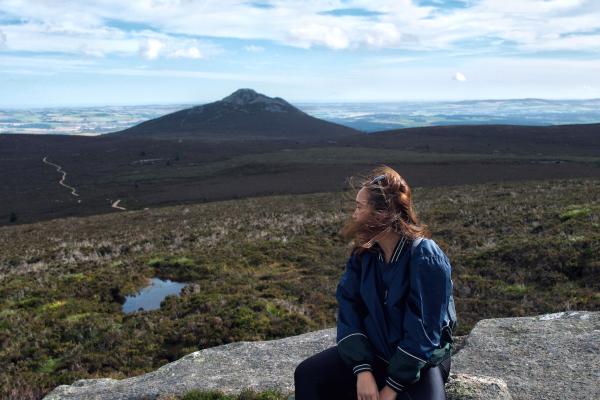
395 306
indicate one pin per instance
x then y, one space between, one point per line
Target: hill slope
245 114
575 140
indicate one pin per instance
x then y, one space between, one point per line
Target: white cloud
190 52
531 25
530 6
2 39
382 35
290 23
39 37
315 34
90 51
104 41
164 46
459 76
254 49
150 48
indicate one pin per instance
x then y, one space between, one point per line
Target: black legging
325 376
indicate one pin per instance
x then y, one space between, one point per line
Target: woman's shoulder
355 258
427 248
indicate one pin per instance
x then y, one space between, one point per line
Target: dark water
149 298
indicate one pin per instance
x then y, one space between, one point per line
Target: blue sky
114 52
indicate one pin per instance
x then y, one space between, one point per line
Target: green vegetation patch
516 289
168 262
575 212
53 305
49 365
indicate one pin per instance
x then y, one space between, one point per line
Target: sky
115 52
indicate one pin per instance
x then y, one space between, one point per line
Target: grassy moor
267 267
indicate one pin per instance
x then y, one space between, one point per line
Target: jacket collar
396 253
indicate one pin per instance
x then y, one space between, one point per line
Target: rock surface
228 368
552 356
470 387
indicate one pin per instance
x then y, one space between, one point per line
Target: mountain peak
244 97
243 114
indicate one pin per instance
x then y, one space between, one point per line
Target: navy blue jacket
401 311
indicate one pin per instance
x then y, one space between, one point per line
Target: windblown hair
390 199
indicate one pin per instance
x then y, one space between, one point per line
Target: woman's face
363 208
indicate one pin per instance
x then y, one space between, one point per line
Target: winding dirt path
73 190
62 181
116 205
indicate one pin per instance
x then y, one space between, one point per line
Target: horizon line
39 107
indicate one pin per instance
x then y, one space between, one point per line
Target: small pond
149 298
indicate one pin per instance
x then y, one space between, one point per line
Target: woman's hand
387 393
366 387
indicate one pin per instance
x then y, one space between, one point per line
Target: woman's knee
301 370
307 368
429 387
320 366
445 368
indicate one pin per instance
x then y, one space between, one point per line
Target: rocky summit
551 356
244 97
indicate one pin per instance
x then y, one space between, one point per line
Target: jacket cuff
361 368
398 387
356 351
404 368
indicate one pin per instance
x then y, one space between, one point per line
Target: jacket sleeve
353 345
424 313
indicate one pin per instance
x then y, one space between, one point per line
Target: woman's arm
353 345
425 310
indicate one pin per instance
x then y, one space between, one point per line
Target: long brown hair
390 198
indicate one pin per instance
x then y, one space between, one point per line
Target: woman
395 306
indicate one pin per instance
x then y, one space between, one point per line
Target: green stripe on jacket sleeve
403 369
357 352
